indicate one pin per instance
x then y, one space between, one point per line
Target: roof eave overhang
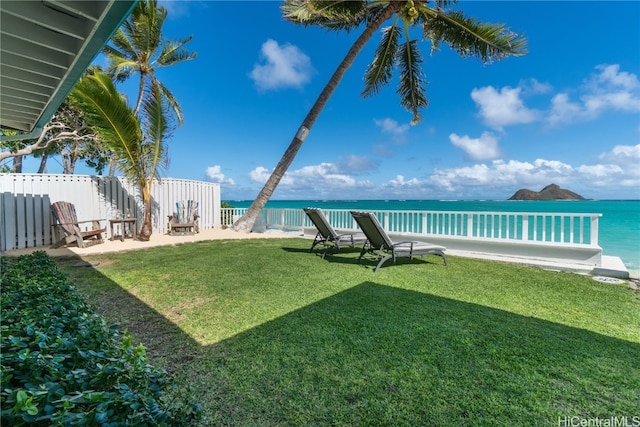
114 13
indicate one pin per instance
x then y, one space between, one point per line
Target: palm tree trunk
140 92
245 223
146 229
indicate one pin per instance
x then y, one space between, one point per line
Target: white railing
541 227
25 201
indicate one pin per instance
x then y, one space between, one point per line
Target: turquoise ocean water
619 226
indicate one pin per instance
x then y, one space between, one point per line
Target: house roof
45 47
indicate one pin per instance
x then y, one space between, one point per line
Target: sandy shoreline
129 244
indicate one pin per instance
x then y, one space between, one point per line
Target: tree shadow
167 345
379 355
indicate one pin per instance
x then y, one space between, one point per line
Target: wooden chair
64 214
185 219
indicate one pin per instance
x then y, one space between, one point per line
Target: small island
550 192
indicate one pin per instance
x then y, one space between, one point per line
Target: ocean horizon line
432 200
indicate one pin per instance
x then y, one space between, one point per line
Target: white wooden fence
25 203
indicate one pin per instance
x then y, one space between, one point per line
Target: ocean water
619 225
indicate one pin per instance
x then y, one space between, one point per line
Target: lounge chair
383 248
327 236
64 214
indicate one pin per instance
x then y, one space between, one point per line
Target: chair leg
316 241
362 252
382 261
444 257
327 248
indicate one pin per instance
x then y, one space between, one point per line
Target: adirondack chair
66 221
184 220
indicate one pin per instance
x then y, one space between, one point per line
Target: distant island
550 192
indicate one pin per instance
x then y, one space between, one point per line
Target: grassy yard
268 334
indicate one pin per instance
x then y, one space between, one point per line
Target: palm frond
332 15
171 101
120 43
112 119
144 27
158 130
380 71
121 68
412 83
173 51
469 37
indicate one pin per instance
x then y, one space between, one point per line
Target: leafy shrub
61 363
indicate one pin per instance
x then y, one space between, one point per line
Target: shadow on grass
167 345
380 355
350 256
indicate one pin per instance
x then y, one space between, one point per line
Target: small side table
132 226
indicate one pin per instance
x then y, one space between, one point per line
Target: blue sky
568 112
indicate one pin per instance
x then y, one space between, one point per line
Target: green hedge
62 364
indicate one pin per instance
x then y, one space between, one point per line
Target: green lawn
268 334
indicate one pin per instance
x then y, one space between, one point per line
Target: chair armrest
79 222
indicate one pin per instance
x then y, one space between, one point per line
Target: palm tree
140 153
397 49
139 47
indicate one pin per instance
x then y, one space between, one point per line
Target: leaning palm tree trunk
245 223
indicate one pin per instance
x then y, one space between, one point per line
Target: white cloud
214 174
611 76
619 167
323 180
608 90
613 174
502 108
399 181
284 66
563 110
483 148
393 128
259 175
535 87
616 170
503 175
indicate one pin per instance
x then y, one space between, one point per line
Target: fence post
594 229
